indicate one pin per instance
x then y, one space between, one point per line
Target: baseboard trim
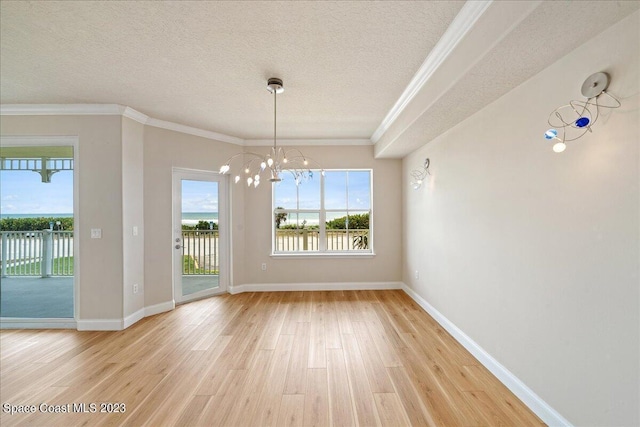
541 408
152 310
329 286
19 323
100 324
133 318
120 324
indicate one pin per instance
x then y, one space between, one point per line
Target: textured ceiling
345 64
524 51
205 64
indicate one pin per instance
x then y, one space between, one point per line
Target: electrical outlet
135 230
96 233
264 266
135 288
417 274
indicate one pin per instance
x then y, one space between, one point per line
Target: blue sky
23 192
199 196
335 190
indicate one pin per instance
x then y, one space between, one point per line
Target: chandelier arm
584 106
316 163
235 156
595 118
586 129
295 158
295 164
618 104
559 116
245 153
295 150
232 158
249 163
303 157
418 174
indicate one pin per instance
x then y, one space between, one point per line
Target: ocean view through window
329 213
39 245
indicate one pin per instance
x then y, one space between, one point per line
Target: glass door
36 227
199 234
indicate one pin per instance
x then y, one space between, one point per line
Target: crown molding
110 110
124 111
194 131
307 142
135 115
46 140
462 23
61 110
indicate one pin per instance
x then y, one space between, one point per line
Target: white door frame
178 174
59 141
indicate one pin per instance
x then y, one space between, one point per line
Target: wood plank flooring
259 359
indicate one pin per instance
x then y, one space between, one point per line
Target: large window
328 213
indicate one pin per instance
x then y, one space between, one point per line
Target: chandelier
277 161
572 121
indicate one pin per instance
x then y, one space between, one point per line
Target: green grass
190 266
33 268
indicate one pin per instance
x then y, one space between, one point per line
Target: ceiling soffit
506 46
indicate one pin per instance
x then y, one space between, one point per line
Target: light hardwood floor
260 359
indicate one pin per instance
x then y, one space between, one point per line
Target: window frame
322 212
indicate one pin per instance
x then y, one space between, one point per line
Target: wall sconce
418 175
572 121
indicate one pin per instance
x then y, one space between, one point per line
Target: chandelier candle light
572 121
278 160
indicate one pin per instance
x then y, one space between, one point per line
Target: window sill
319 255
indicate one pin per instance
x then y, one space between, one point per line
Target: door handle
179 246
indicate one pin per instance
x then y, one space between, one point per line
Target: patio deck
52 297
36 297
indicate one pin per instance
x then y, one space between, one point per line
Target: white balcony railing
291 240
37 253
50 253
200 252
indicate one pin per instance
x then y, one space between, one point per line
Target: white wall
535 255
99 159
132 215
163 150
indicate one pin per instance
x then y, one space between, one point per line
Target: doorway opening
37 230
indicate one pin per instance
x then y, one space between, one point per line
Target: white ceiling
344 64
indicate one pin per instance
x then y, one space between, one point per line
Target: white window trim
336 254
322 252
